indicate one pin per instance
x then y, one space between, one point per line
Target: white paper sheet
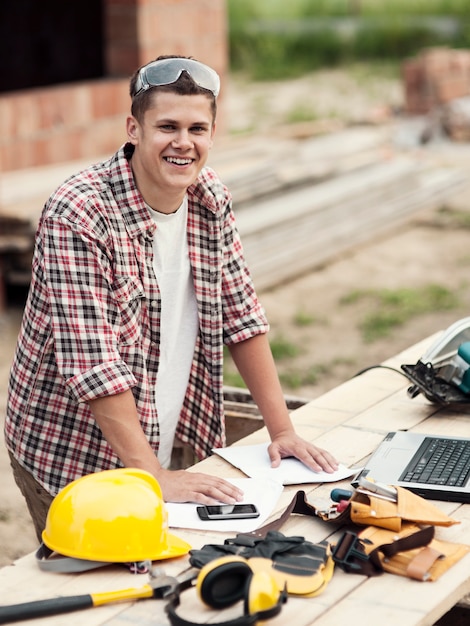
260 491
254 461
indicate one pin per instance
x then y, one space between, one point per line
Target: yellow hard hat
117 516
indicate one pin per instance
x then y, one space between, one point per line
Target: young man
138 282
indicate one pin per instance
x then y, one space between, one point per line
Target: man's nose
182 139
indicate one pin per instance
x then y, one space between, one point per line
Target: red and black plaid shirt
91 322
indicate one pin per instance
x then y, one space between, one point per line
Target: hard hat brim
176 547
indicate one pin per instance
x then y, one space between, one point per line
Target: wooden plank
16 244
277 165
397 413
386 602
388 599
364 194
336 216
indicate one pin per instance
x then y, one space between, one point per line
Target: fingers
274 455
312 456
322 459
183 486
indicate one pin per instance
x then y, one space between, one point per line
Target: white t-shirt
179 321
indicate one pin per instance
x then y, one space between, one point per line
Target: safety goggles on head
167 71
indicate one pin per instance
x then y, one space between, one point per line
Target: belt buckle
347 550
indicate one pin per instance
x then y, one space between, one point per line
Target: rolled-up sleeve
86 316
244 315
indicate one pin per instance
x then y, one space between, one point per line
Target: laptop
435 467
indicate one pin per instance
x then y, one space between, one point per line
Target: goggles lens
167 71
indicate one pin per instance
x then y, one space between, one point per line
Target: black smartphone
227 511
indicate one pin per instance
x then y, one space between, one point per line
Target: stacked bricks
435 77
65 123
86 120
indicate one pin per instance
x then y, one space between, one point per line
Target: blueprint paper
262 492
254 461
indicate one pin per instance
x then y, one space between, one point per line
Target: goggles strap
49 561
65 564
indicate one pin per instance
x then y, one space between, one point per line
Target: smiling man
138 282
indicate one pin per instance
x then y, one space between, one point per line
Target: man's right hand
119 422
184 486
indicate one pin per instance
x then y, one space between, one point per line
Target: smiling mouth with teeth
178 161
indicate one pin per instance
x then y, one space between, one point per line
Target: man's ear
132 127
212 134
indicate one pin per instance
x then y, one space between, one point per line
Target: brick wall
434 77
63 123
80 120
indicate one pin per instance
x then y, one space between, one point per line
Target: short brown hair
184 86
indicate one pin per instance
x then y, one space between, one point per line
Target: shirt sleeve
244 316
86 315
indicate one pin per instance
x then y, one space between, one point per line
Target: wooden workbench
350 421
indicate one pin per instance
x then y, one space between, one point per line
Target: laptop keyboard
440 462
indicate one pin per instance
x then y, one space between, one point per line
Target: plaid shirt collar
131 202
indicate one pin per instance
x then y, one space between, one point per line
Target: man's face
172 143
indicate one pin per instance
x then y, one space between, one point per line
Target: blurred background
343 134
65 66
353 115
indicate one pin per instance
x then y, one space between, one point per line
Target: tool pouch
371 510
365 510
413 552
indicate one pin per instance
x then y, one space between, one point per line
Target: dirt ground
432 249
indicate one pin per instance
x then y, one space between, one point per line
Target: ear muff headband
227 580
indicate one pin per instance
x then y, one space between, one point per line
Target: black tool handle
41 608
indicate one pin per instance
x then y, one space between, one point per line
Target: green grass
232 378
282 348
276 9
301 112
303 318
272 39
393 308
293 378
385 311
455 218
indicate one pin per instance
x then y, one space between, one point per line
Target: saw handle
41 608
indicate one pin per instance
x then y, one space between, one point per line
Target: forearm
253 359
119 422
255 363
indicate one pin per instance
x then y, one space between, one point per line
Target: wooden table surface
349 420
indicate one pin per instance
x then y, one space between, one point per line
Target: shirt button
154 304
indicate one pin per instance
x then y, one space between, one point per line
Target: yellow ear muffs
262 594
224 581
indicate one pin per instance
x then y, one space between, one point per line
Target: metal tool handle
41 608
